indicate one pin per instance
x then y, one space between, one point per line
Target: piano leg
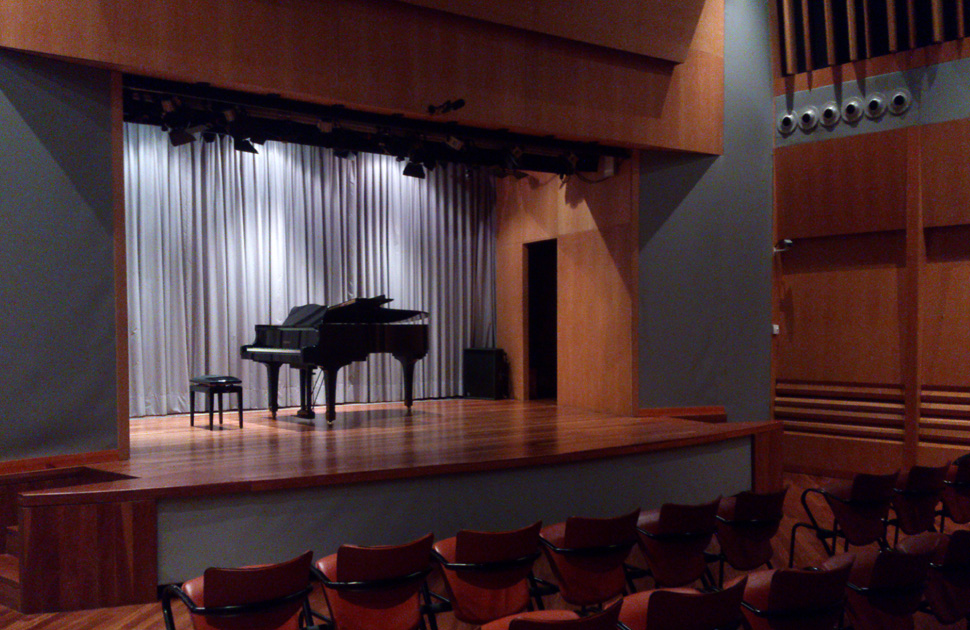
331 393
407 363
306 394
273 386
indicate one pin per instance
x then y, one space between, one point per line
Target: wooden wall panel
88 556
839 456
596 230
843 186
655 28
840 309
946 173
596 342
945 308
392 57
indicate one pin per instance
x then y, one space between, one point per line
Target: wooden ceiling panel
655 28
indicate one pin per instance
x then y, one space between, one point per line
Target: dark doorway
541 289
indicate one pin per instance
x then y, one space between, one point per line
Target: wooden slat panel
867 25
843 418
935 394
841 405
911 10
891 25
937 8
843 186
807 35
835 430
849 391
788 26
853 30
829 32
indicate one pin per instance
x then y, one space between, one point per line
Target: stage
190 498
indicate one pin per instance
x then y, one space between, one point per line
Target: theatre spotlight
414 169
241 144
782 246
178 137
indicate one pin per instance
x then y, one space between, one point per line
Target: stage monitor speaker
485 373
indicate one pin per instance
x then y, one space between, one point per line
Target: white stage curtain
219 241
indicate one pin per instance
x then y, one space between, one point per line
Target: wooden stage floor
170 459
186 497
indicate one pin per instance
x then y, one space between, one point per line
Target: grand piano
330 337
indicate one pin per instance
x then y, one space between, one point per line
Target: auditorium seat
886 585
487 574
558 620
797 599
587 555
377 588
674 539
915 497
956 492
746 524
262 597
947 595
859 508
685 608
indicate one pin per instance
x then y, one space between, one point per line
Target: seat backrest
256 585
916 495
674 544
753 507
898 578
869 488
588 533
748 521
389 575
861 517
801 599
500 559
948 581
604 620
680 610
960 470
695 521
588 556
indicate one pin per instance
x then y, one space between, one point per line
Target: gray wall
57 334
258 528
705 246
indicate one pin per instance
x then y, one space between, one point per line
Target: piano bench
212 385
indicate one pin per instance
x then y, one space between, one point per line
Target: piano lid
355 311
305 316
368 311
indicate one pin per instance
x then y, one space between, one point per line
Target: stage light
209 136
178 137
414 169
325 126
455 143
241 144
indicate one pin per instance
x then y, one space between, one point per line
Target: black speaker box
485 373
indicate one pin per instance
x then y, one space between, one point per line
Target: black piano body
314 336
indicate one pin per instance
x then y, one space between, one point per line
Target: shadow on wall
658 203
68 101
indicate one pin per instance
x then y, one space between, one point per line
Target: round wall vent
830 115
899 101
852 110
875 106
808 118
787 123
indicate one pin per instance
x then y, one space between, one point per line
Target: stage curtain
219 241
